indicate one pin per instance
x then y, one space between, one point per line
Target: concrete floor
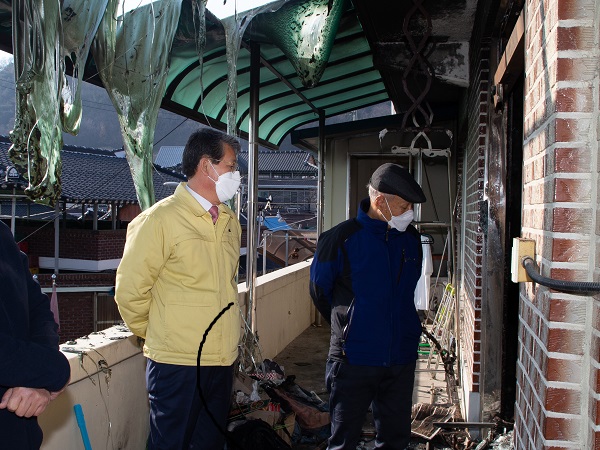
306 356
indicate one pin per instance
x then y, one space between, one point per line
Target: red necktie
214 212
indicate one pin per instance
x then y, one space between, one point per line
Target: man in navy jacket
32 369
362 280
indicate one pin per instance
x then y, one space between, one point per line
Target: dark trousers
19 433
178 419
353 388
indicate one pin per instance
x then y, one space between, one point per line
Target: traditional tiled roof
169 156
269 161
93 175
287 183
283 161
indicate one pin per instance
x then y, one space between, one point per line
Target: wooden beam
512 62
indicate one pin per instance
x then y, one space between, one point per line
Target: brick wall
558 381
76 309
94 245
473 173
76 315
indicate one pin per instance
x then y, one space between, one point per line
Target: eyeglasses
234 167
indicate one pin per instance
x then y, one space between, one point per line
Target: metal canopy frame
349 82
252 226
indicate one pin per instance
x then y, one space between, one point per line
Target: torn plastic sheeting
305 32
37 135
131 50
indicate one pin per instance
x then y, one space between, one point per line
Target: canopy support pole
320 174
56 236
252 226
13 213
320 178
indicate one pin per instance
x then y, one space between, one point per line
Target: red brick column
557 372
76 309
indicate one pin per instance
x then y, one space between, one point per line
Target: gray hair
373 193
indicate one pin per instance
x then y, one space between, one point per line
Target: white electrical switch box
520 249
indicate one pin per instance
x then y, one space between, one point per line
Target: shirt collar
203 202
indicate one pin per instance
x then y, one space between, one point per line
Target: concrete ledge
80 265
107 380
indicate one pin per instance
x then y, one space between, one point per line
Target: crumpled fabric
305 33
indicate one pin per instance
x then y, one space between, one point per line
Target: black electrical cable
570 287
230 441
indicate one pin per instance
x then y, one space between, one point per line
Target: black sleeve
323 273
328 264
29 354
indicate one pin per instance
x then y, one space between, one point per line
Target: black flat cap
396 180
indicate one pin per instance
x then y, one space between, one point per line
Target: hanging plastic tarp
275 223
47 103
37 134
131 51
131 43
305 32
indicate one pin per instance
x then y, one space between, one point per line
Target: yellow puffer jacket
177 273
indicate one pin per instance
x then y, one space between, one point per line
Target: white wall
284 309
339 182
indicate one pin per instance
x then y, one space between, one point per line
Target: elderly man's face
397 205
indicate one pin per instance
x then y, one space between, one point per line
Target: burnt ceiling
420 45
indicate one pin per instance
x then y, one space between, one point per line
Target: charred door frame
504 214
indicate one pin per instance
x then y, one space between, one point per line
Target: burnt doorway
514 183
501 222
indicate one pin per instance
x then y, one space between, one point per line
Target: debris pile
294 414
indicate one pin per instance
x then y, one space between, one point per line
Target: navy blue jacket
362 279
29 355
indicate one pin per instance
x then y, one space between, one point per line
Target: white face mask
402 221
227 184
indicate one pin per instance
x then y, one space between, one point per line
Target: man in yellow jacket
177 274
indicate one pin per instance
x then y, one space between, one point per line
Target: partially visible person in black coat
32 369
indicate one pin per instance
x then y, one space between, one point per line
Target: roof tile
93 175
